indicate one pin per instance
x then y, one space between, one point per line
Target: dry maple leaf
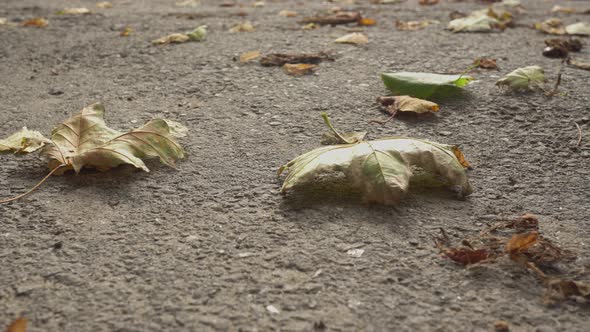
84 140
381 169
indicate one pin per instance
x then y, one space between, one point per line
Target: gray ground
210 245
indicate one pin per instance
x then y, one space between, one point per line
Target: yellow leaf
171 39
249 56
355 38
367 21
310 26
299 69
23 141
74 11
243 27
104 5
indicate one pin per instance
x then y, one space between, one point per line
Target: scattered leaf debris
414 25
299 69
280 59
340 17
485 63
75 11
199 34
37 22
394 104
525 78
242 27
249 56
355 38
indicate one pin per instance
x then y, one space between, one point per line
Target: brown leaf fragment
299 69
355 38
19 325
279 59
407 104
578 64
485 63
501 326
340 17
563 10
553 26
462 255
37 22
562 289
519 243
560 48
174 38
249 56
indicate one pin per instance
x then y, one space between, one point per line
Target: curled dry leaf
396 104
580 28
249 56
485 63
279 59
479 23
525 78
424 85
428 2
560 48
242 27
355 38
18 325
37 22
3 21
414 25
23 141
84 140
74 11
287 13
553 26
563 289
382 169
299 69
104 5
340 17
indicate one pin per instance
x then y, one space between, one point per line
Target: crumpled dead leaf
199 34
560 48
23 141
525 78
414 25
242 27
428 2
394 104
521 242
563 10
126 32
249 56
299 69
355 38
381 169
485 63
74 11
553 26
339 17
279 59
84 140
37 22
580 28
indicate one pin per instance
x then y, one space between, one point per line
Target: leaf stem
340 137
34 188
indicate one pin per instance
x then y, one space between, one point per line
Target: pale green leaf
424 85
524 78
580 28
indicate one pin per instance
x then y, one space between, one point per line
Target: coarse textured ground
210 245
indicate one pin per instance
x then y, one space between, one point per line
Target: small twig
34 188
392 111
329 124
579 133
553 92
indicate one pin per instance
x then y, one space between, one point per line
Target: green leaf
23 141
199 34
525 78
382 169
84 140
424 85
